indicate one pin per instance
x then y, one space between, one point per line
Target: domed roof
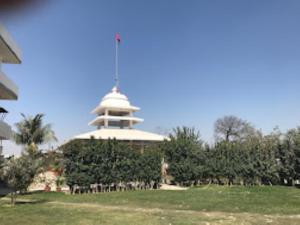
115 99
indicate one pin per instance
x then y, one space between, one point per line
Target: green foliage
109 164
53 161
185 154
18 173
31 132
289 157
148 166
242 155
250 160
59 181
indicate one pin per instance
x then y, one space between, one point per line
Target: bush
18 173
96 165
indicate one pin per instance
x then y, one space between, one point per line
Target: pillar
106 120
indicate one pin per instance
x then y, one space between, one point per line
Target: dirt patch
172 187
212 217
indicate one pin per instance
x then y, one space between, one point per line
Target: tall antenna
118 40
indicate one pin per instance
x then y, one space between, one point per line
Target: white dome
115 99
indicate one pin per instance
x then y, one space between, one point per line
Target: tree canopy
231 128
18 173
31 132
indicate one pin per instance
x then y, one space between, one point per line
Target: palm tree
31 132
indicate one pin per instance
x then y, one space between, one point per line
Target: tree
289 157
232 128
53 160
18 173
249 160
31 132
268 166
110 165
125 164
149 167
78 164
184 153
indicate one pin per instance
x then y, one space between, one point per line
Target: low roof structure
123 135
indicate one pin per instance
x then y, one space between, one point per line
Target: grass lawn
203 205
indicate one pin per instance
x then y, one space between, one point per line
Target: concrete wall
8 90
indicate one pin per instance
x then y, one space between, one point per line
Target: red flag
118 38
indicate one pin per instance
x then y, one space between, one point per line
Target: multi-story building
9 53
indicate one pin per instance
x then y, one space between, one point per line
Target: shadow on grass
6 202
30 202
31 192
21 201
6 199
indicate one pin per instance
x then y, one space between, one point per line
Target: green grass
212 204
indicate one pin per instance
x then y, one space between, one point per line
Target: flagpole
117 66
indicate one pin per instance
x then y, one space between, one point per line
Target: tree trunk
13 198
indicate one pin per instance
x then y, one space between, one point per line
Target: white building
115 120
9 53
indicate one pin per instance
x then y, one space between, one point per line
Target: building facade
115 120
9 53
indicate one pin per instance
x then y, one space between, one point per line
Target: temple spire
115 111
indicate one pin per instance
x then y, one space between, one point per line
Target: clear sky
183 62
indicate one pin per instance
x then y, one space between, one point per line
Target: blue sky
183 62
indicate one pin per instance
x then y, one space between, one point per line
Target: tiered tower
115 111
115 118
